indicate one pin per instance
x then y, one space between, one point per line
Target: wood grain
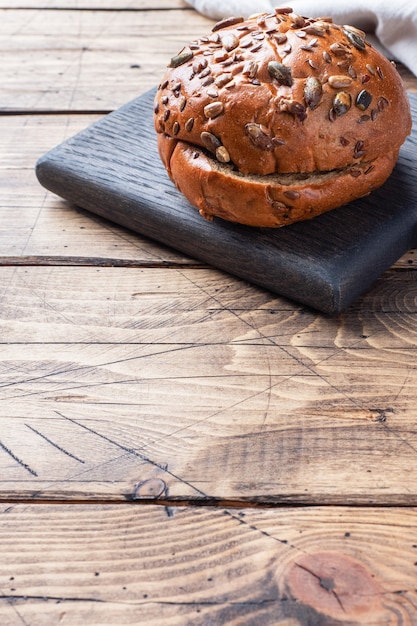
35 224
110 377
105 59
148 564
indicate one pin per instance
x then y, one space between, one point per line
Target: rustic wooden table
176 445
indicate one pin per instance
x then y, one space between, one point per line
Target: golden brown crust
268 201
281 94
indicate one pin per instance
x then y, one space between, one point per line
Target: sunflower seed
250 69
199 65
280 38
358 150
176 128
352 72
339 81
292 194
246 42
315 29
327 57
230 41
339 49
371 69
222 154
221 55
277 141
257 47
212 92
223 79
297 21
189 124
204 73
382 103
213 110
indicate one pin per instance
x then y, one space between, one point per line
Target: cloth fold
394 23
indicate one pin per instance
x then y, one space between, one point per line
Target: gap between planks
46 261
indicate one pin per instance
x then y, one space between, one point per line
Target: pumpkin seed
355 39
280 72
342 103
363 100
313 91
226 22
258 137
181 58
210 141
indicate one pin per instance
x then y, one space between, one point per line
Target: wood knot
151 488
334 585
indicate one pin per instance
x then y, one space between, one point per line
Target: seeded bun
279 118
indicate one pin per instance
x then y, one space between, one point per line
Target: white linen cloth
394 22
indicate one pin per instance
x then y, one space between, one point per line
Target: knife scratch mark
55 445
16 458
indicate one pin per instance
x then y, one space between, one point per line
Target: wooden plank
96 5
105 59
151 565
34 222
110 377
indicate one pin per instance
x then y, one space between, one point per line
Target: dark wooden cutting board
113 169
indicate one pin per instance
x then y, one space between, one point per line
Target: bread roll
279 118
